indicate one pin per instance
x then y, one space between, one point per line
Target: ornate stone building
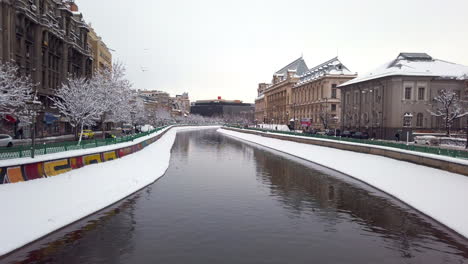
380 101
316 98
275 99
48 40
298 93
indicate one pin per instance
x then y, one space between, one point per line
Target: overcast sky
213 48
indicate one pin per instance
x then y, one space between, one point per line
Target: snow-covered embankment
437 193
32 209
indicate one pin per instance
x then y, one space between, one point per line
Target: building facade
181 104
276 98
316 98
102 57
298 93
47 39
381 101
229 110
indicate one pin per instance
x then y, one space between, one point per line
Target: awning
50 118
10 119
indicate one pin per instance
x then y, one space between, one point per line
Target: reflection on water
225 201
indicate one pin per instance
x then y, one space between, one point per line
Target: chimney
73 6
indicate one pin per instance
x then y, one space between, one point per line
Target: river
227 201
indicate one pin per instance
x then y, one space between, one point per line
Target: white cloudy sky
225 48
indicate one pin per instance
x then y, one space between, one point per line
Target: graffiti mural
37 170
109 156
14 175
92 159
56 167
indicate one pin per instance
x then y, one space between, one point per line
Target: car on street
127 129
146 128
109 135
6 140
347 134
88 134
427 140
360 135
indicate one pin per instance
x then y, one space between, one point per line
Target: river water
226 201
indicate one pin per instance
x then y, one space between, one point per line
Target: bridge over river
227 201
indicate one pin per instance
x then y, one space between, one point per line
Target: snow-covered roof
299 66
415 64
333 66
260 97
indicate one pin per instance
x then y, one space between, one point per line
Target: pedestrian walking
397 137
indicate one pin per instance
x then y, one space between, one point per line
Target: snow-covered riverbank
32 209
438 194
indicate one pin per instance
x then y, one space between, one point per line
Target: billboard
306 122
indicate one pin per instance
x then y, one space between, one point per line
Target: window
419 120
333 107
408 91
421 93
347 101
333 93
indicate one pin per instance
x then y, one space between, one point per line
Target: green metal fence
423 149
49 148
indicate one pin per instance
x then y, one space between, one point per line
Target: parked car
88 134
127 129
109 135
6 141
360 135
146 128
332 132
427 140
310 131
347 134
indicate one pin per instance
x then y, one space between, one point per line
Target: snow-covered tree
15 89
77 101
447 106
112 92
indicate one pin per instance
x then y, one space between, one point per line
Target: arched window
419 120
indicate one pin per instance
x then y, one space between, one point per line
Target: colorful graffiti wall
32 171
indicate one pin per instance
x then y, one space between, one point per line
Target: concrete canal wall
20 170
431 160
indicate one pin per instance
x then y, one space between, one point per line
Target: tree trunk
103 129
447 127
81 133
466 146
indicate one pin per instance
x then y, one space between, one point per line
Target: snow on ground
417 153
78 152
274 127
35 208
439 194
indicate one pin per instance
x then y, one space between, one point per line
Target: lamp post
34 107
335 121
407 117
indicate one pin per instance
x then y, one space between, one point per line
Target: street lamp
33 107
407 117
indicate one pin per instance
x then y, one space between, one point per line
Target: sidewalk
71 137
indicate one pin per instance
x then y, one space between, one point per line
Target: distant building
316 98
297 93
160 97
377 102
227 109
102 57
181 104
276 98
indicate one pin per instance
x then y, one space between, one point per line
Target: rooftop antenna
337 52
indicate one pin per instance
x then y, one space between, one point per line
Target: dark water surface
225 201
